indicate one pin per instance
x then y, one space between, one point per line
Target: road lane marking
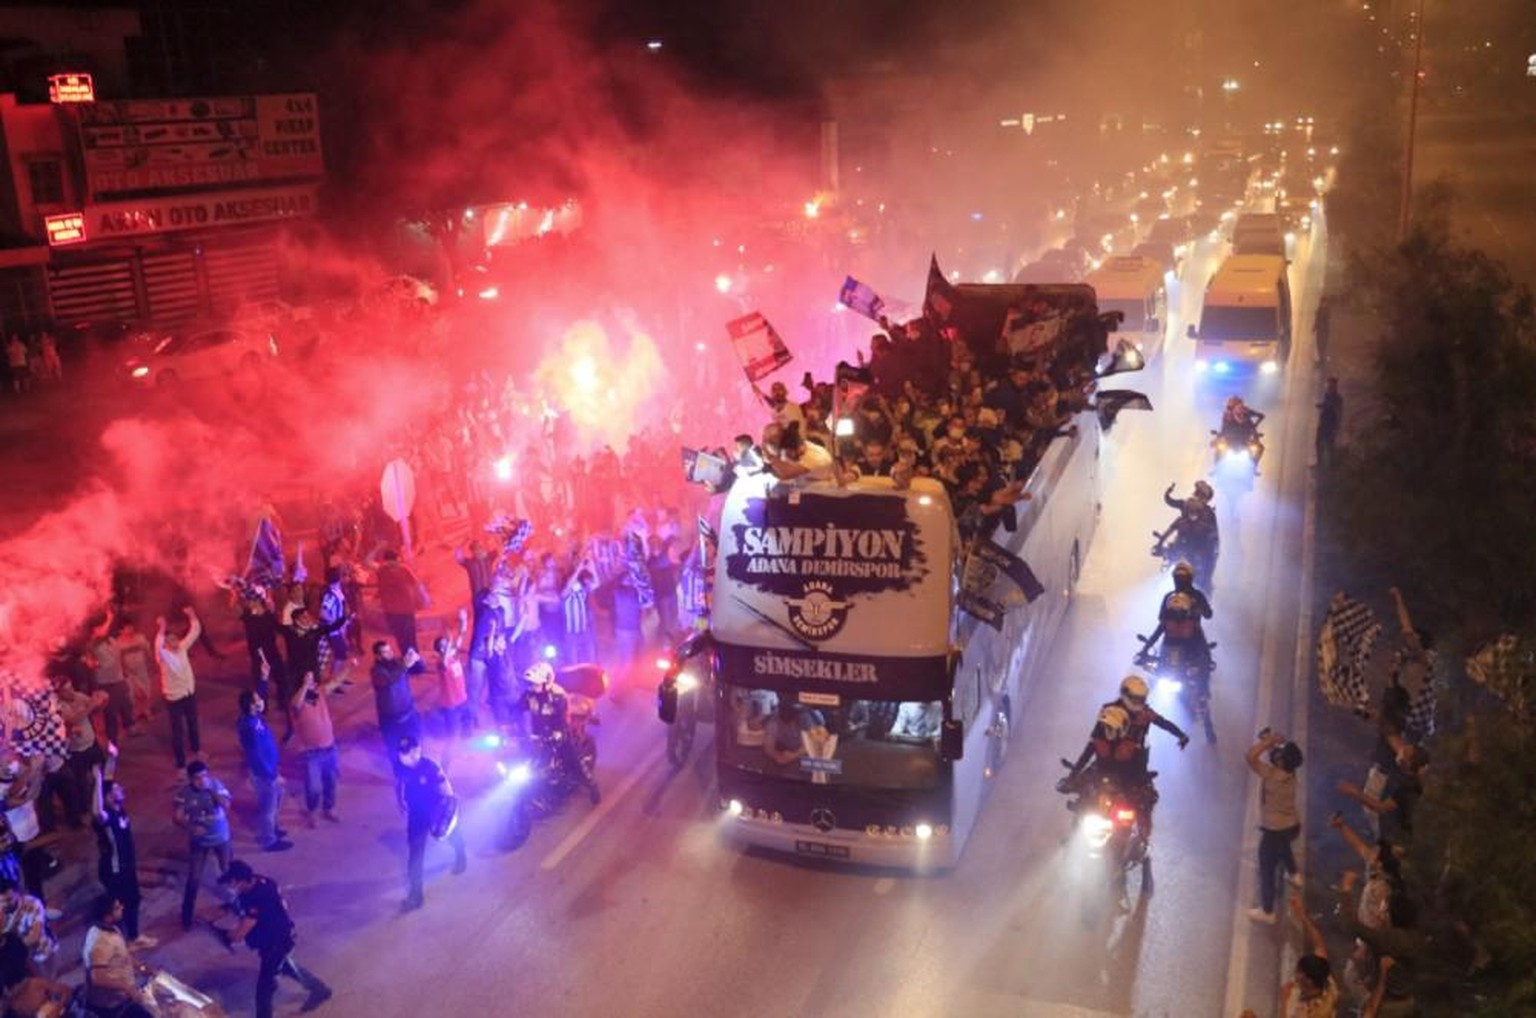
1247 882
884 884
592 819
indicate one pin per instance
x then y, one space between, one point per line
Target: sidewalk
1337 744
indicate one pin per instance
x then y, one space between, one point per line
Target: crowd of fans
1400 927
31 361
973 409
582 557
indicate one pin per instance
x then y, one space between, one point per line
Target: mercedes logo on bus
823 819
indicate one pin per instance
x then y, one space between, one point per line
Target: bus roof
1247 279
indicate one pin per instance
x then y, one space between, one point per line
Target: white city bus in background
836 608
1245 320
1135 287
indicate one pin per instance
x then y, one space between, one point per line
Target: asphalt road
638 908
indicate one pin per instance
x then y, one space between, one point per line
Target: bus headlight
923 831
1269 367
1202 365
735 807
686 682
1222 367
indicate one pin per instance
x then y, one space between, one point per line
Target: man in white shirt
111 972
800 459
785 410
178 684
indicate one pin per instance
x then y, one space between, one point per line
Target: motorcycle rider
546 717
1240 425
1117 747
1195 528
1179 619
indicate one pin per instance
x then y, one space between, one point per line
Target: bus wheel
680 737
997 740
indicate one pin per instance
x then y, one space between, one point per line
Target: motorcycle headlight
1097 828
515 774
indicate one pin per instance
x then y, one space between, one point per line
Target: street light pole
1413 122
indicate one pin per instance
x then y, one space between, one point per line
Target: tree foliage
1444 480
1478 817
1438 491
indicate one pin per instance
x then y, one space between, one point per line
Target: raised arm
1370 802
102 628
1315 939
1404 620
195 626
1257 750
1366 853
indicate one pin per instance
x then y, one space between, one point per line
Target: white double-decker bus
861 713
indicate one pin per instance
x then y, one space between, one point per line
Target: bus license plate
821 849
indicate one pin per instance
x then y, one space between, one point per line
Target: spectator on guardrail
1330 419
1398 949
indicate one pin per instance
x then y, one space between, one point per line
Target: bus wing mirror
1154 325
666 701
952 740
1191 333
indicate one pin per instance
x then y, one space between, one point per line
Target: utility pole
1405 212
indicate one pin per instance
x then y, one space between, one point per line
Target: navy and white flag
1344 645
709 544
707 468
861 298
939 299
995 580
266 565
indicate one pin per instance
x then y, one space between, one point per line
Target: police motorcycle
1182 672
1237 442
547 762
1236 449
1189 539
1109 823
686 692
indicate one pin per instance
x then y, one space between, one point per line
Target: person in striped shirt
576 603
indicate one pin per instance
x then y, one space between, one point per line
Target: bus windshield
1239 323
874 744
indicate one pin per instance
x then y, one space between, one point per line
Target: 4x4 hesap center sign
818 551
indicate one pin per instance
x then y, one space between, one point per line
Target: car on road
406 290
168 359
269 315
